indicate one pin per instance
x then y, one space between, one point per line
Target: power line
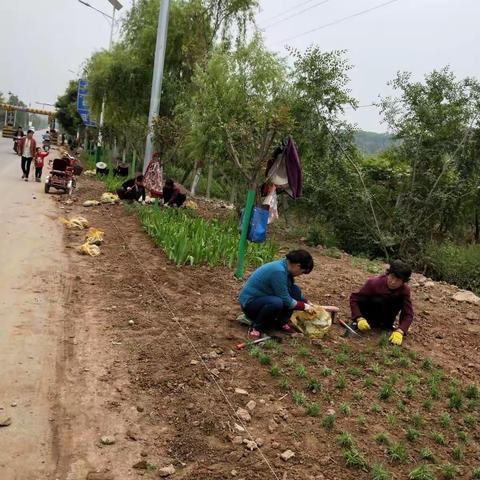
340 20
296 14
288 11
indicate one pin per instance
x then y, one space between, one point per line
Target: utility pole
157 77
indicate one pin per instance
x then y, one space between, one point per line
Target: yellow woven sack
315 324
94 236
91 203
191 205
87 249
78 223
108 197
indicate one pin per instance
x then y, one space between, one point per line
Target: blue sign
82 106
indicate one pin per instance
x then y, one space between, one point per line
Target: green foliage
284 384
341 358
449 471
361 420
470 421
428 405
357 395
392 419
386 391
382 439
341 382
376 408
314 385
299 398
412 434
438 438
368 382
379 472
346 409
313 409
345 440
355 459
265 359
397 452
66 106
422 472
417 420
301 371
376 368
328 421
326 372
463 436
187 238
332 252
476 474
458 453
472 392
426 454
455 399
427 364
303 351
275 370
445 420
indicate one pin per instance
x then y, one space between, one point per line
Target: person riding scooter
46 141
16 137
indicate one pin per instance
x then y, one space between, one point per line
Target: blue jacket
271 279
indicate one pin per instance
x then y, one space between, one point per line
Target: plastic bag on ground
191 205
88 249
108 197
95 236
91 203
77 223
314 325
90 173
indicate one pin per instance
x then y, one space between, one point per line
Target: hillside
371 143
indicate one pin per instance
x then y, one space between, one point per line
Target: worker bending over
381 299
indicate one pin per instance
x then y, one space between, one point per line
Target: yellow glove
396 338
363 325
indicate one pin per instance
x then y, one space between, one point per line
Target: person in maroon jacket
27 149
381 299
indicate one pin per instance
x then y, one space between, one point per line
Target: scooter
46 145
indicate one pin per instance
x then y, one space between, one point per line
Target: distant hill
371 143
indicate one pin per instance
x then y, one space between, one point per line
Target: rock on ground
287 455
166 471
466 296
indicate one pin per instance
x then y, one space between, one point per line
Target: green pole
242 247
98 154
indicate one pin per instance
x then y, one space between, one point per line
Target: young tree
66 105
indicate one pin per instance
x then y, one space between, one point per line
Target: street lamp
116 6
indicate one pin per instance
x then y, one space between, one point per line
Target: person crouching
132 189
270 294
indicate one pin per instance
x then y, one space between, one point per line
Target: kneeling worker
381 299
270 295
132 189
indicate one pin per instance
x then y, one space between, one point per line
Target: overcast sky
42 40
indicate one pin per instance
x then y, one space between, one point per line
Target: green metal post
242 247
98 154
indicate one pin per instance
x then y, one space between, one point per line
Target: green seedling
362 421
472 392
265 359
445 420
328 421
470 421
346 349
426 454
438 438
422 472
404 362
428 405
412 354
313 409
382 439
396 352
328 352
345 440
303 351
301 371
341 358
299 398
462 437
417 420
379 472
357 396
362 361
449 471
476 474
412 434
275 370
341 382
284 384
392 419
272 345
409 391
458 453
386 391
326 372
414 380
473 405
434 391
402 406
346 409
393 379
314 385
397 452
354 458
388 362
427 364
456 399
255 351
354 372
383 341
376 408
291 361
368 382
376 368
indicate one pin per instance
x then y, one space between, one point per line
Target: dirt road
32 288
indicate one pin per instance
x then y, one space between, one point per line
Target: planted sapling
379 472
412 434
275 370
345 440
427 454
346 409
449 471
354 458
313 409
397 452
328 421
422 472
299 398
382 439
438 438
314 385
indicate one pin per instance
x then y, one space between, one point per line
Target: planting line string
192 345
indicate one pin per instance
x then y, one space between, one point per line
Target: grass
332 252
376 408
417 420
422 472
449 471
255 351
476 474
313 409
265 359
357 396
345 440
427 454
409 391
368 382
376 368
362 420
379 472
326 372
354 372
275 370
472 392
458 453
438 438
428 405
412 434
299 398
386 391
301 371
382 438
346 409
383 341
355 459
341 382
314 385
462 437
284 384
427 364
341 358
445 420
397 452
404 362
455 399
303 351
328 421
470 421
392 419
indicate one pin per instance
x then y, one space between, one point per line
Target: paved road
33 285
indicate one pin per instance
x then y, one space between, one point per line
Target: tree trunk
210 178
233 194
196 180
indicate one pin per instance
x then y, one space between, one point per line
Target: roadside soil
149 360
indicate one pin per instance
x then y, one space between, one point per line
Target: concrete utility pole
157 77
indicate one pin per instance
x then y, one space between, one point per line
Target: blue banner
82 106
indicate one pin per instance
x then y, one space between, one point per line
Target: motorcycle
46 145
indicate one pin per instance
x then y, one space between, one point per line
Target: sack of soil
87 249
315 324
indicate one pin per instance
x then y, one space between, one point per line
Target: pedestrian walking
39 161
27 148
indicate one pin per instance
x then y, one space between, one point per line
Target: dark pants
379 312
124 194
178 201
265 312
38 172
26 162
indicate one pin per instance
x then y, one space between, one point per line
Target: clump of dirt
169 333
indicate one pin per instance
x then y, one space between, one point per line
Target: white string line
185 334
281 14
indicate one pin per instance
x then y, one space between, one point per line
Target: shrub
354 458
449 471
345 440
422 472
379 472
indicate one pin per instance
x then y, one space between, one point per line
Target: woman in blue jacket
270 295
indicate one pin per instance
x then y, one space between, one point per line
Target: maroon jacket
398 300
33 147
